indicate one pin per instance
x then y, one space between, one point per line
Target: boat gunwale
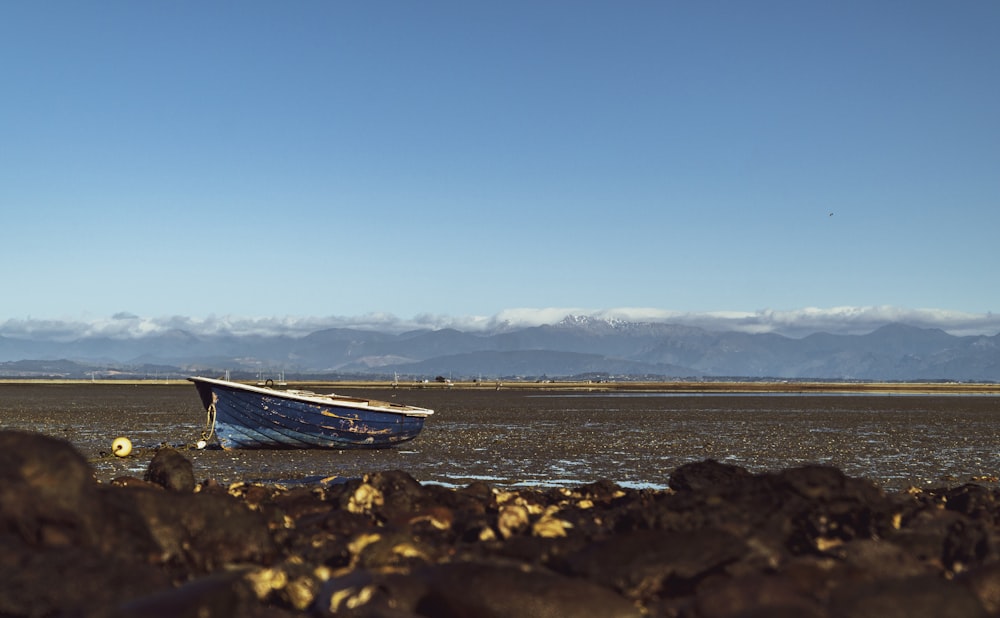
355 403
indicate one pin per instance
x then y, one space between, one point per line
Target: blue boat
244 416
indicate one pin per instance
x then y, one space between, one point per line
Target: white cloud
533 317
793 323
861 320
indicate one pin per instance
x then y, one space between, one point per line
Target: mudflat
553 437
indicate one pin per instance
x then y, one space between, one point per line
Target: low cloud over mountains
847 343
791 323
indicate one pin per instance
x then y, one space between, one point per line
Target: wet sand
557 438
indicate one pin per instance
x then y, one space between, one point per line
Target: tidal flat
533 437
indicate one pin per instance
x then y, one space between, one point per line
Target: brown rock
497 590
985 584
913 597
171 470
201 532
768 595
651 563
708 474
225 593
47 493
60 538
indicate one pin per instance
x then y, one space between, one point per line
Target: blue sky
430 161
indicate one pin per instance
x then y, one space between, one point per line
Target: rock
47 493
226 593
500 590
171 470
758 594
945 539
721 543
512 519
650 563
71 581
925 596
362 593
985 584
59 537
975 501
706 475
201 532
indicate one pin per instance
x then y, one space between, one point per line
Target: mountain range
576 346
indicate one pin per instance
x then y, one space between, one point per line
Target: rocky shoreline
720 543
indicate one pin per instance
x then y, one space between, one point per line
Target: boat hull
249 417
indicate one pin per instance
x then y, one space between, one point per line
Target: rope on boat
209 423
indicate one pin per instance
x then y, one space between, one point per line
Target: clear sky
313 158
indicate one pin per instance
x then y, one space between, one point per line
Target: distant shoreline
684 386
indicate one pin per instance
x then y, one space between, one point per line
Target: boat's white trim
322 399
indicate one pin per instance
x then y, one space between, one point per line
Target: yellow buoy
121 447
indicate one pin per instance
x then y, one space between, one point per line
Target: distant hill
574 346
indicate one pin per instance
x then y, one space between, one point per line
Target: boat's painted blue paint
252 417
